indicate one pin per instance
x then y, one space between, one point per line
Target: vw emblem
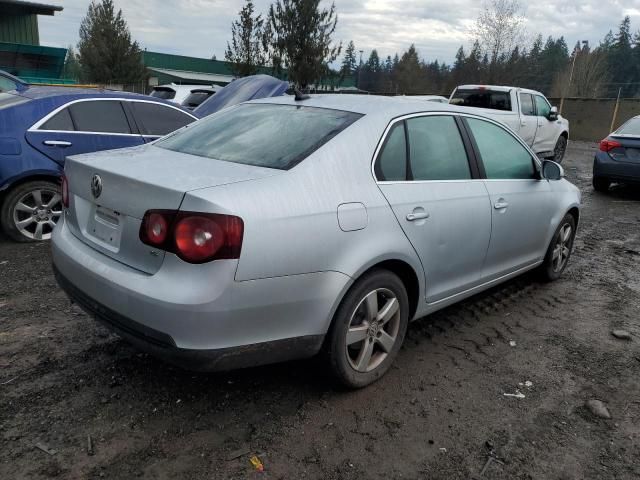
96 186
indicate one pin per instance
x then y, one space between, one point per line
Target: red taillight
65 191
607 145
192 236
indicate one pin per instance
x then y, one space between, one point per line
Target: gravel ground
440 413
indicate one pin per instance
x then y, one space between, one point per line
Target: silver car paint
296 261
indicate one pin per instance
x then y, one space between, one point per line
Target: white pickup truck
526 112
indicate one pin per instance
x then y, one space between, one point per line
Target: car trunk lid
629 151
109 192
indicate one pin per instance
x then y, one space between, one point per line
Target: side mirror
551 170
553 114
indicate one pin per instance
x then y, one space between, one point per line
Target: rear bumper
197 316
624 172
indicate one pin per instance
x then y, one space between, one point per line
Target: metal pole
573 65
615 111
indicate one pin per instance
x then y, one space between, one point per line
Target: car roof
497 88
367 104
38 92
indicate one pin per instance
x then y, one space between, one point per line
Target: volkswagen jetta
285 227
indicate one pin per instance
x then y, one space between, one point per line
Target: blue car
40 126
618 160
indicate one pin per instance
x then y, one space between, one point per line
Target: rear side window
7 85
164 93
61 121
482 98
158 120
392 162
503 156
264 135
526 104
102 116
436 150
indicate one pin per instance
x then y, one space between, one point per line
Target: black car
618 160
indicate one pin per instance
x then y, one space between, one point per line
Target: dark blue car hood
242 90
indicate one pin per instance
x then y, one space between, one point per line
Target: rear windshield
264 135
632 127
481 98
196 98
164 93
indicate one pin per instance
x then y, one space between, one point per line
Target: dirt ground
440 413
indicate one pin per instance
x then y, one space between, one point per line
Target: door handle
412 217
57 143
500 205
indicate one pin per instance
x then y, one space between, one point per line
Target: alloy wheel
373 330
36 213
561 147
562 248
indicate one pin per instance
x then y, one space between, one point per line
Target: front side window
392 161
436 150
100 116
264 135
502 155
543 106
158 120
61 121
526 105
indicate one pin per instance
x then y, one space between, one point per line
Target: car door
425 172
528 119
547 134
156 120
521 203
81 127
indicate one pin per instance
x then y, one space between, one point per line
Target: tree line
294 39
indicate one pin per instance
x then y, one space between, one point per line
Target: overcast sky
201 28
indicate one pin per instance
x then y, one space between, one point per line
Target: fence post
615 111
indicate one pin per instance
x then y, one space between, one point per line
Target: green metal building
20 51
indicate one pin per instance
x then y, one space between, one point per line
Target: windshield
264 135
482 98
632 128
9 99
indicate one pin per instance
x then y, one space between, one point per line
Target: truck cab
527 112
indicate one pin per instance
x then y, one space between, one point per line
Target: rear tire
559 251
30 211
601 184
368 329
560 149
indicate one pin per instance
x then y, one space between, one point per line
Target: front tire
30 211
368 329
560 149
559 251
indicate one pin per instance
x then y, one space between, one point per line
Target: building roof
193 76
18 6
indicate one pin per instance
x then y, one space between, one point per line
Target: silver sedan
282 228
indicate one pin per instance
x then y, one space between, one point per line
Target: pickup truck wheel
560 149
30 211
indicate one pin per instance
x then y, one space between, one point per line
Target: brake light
607 145
65 191
194 237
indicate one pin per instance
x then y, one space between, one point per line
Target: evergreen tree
106 51
300 39
247 51
350 61
72 68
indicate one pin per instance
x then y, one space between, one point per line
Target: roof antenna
299 95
